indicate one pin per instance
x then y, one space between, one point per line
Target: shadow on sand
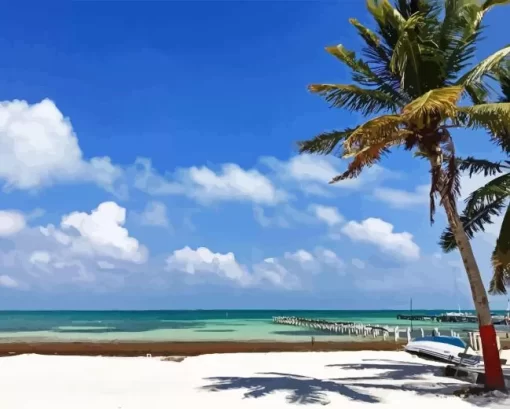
308 390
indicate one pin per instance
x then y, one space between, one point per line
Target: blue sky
148 161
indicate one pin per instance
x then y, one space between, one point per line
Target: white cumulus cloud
8 282
11 222
330 258
282 272
301 256
311 168
202 260
99 233
327 214
380 233
321 259
272 271
230 183
39 147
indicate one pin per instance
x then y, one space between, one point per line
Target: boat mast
411 313
456 288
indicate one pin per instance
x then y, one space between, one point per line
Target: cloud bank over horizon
353 237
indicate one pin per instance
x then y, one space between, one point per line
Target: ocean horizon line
236 309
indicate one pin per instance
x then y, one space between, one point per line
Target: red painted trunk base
493 371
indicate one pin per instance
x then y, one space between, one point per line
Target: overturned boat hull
445 349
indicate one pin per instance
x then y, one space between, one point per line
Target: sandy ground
258 380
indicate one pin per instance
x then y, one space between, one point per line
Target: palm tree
489 201
417 69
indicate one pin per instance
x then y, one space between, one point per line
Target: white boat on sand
446 349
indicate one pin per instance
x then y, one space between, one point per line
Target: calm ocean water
199 325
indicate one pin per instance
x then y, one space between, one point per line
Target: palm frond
349 58
392 15
490 192
368 35
433 106
379 57
486 66
482 205
454 22
491 3
478 92
406 51
365 158
501 276
354 98
503 77
384 13
416 56
493 117
373 131
476 166
472 222
324 143
389 22
458 37
486 6
406 57
361 71
501 258
375 8
421 155
428 7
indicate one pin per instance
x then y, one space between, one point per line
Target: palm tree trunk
493 371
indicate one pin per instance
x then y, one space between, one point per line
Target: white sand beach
346 380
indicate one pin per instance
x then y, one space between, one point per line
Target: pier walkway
353 329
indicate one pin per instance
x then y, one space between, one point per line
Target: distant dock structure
451 317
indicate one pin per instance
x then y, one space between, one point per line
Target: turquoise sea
198 325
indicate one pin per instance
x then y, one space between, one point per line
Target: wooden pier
356 329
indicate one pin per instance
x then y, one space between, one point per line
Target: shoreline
124 349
